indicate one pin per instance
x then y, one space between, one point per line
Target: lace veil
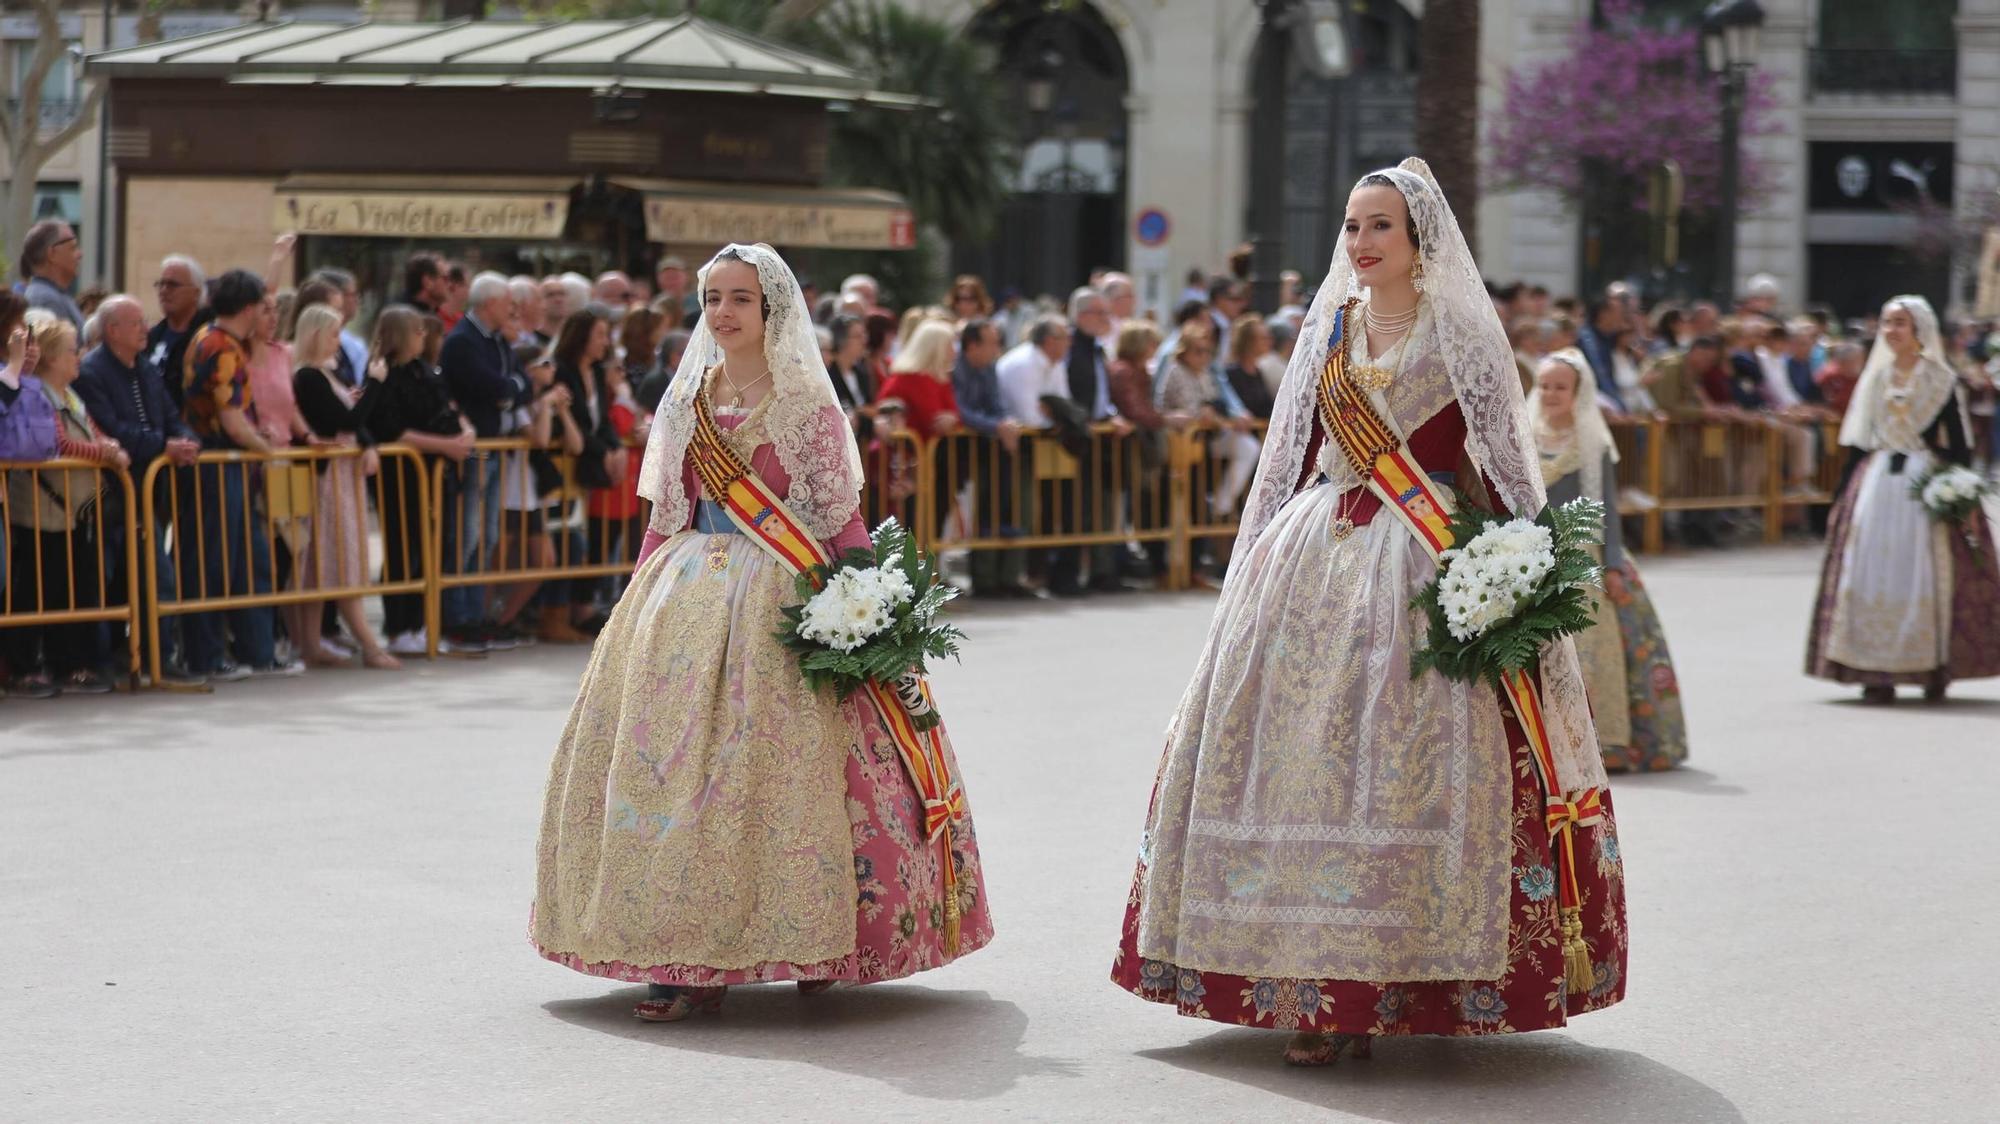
1590 436
804 421
1469 341
1868 424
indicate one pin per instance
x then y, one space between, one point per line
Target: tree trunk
1448 105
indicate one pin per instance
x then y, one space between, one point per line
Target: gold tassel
1576 954
950 881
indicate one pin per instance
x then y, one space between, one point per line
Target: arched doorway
1065 77
1338 128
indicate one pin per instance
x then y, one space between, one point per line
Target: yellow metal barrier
1208 496
1641 444
548 528
902 482
232 512
1042 494
54 548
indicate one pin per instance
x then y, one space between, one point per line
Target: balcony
51 115
1850 72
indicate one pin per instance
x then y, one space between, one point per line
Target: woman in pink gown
711 820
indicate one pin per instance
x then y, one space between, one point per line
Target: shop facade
522 147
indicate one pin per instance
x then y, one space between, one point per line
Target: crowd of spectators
576 366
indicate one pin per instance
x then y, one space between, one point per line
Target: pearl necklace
1373 378
1389 325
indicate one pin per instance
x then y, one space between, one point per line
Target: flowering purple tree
1628 96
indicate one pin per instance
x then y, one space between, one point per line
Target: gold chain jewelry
1374 378
1342 525
736 392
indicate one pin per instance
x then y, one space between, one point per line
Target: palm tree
1448 105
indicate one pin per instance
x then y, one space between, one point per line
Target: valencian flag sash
763 517
1375 453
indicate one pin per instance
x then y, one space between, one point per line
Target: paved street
307 900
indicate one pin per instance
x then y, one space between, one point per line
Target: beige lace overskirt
696 810
1319 814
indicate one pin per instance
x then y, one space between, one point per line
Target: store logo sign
388 215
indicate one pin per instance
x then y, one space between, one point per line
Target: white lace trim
804 422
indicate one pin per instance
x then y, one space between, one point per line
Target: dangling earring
1417 273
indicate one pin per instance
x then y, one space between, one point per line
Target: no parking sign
1152 227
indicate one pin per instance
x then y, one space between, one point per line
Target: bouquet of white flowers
1512 588
1951 494
869 616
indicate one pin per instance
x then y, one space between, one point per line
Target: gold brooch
1372 379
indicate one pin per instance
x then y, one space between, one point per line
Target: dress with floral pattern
1335 846
1532 994
710 819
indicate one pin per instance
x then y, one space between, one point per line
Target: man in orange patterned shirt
216 506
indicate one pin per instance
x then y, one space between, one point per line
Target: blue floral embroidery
1607 979
1607 845
1390 1007
1538 882
1264 996
1308 996
1156 976
1191 988
1482 1005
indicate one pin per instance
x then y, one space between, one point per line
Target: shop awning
681 53
388 206
680 212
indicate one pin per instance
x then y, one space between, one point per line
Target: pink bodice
765 463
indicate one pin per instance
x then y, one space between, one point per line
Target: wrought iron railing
1870 71
50 115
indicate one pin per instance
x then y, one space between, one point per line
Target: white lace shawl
1869 423
1589 435
804 422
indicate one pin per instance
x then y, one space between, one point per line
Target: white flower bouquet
871 616
1510 590
1955 495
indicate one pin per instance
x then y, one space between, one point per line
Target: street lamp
1729 47
1314 28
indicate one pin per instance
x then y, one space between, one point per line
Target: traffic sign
1152 227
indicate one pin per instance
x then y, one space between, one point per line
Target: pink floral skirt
693 813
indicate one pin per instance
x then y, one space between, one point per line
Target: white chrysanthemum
1952 488
1486 581
854 608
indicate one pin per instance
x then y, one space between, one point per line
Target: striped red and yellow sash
763 517
1406 490
750 503
1350 418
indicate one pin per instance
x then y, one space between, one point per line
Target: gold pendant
1372 379
718 554
1342 527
